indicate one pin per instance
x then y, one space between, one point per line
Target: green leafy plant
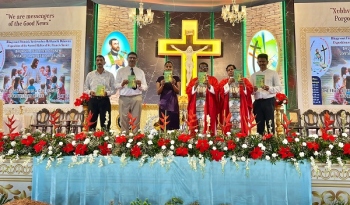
140 202
174 201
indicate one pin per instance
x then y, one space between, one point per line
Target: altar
258 182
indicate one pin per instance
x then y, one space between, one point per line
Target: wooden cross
201 47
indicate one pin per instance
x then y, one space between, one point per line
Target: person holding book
168 87
203 89
266 84
236 100
100 84
130 99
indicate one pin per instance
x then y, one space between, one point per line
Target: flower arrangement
281 99
156 146
82 100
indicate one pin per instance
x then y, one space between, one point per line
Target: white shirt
271 79
94 78
123 73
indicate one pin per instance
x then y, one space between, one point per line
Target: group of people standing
210 102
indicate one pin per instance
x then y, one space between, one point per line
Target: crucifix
189 47
324 54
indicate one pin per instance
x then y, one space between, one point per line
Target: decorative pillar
290 53
91 14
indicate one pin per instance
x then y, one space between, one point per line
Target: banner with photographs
330 67
35 71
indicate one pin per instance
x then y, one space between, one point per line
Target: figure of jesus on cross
189 52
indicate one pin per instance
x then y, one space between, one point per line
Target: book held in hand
238 75
131 81
100 90
168 76
260 81
202 76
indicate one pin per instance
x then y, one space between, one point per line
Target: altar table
261 183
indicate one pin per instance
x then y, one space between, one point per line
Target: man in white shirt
130 99
264 95
115 58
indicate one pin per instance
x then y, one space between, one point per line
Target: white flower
211 142
131 134
244 146
228 133
130 140
50 147
330 146
316 153
237 139
5 137
208 135
200 135
263 148
172 142
13 143
172 147
163 147
301 154
225 148
285 141
87 141
297 133
296 139
150 136
304 144
28 134
328 153
60 143
154 132
196 130
344 134
90 132
29 154
274 155
106 138
260 145
341 145
190 146
150 142
42 135
315 136
267 157
139 143
74 143
243 159
24 136
169 131
128 145
214 148
49 152
10 151
109 146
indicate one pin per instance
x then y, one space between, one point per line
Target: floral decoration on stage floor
154 146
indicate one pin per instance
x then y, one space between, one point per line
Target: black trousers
99 106
264 110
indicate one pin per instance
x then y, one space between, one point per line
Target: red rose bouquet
82 100
281 99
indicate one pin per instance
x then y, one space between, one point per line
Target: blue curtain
88 184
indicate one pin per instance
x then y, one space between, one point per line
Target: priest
202 93
235 100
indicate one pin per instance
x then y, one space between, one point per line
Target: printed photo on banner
35 71
115 49
330 65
